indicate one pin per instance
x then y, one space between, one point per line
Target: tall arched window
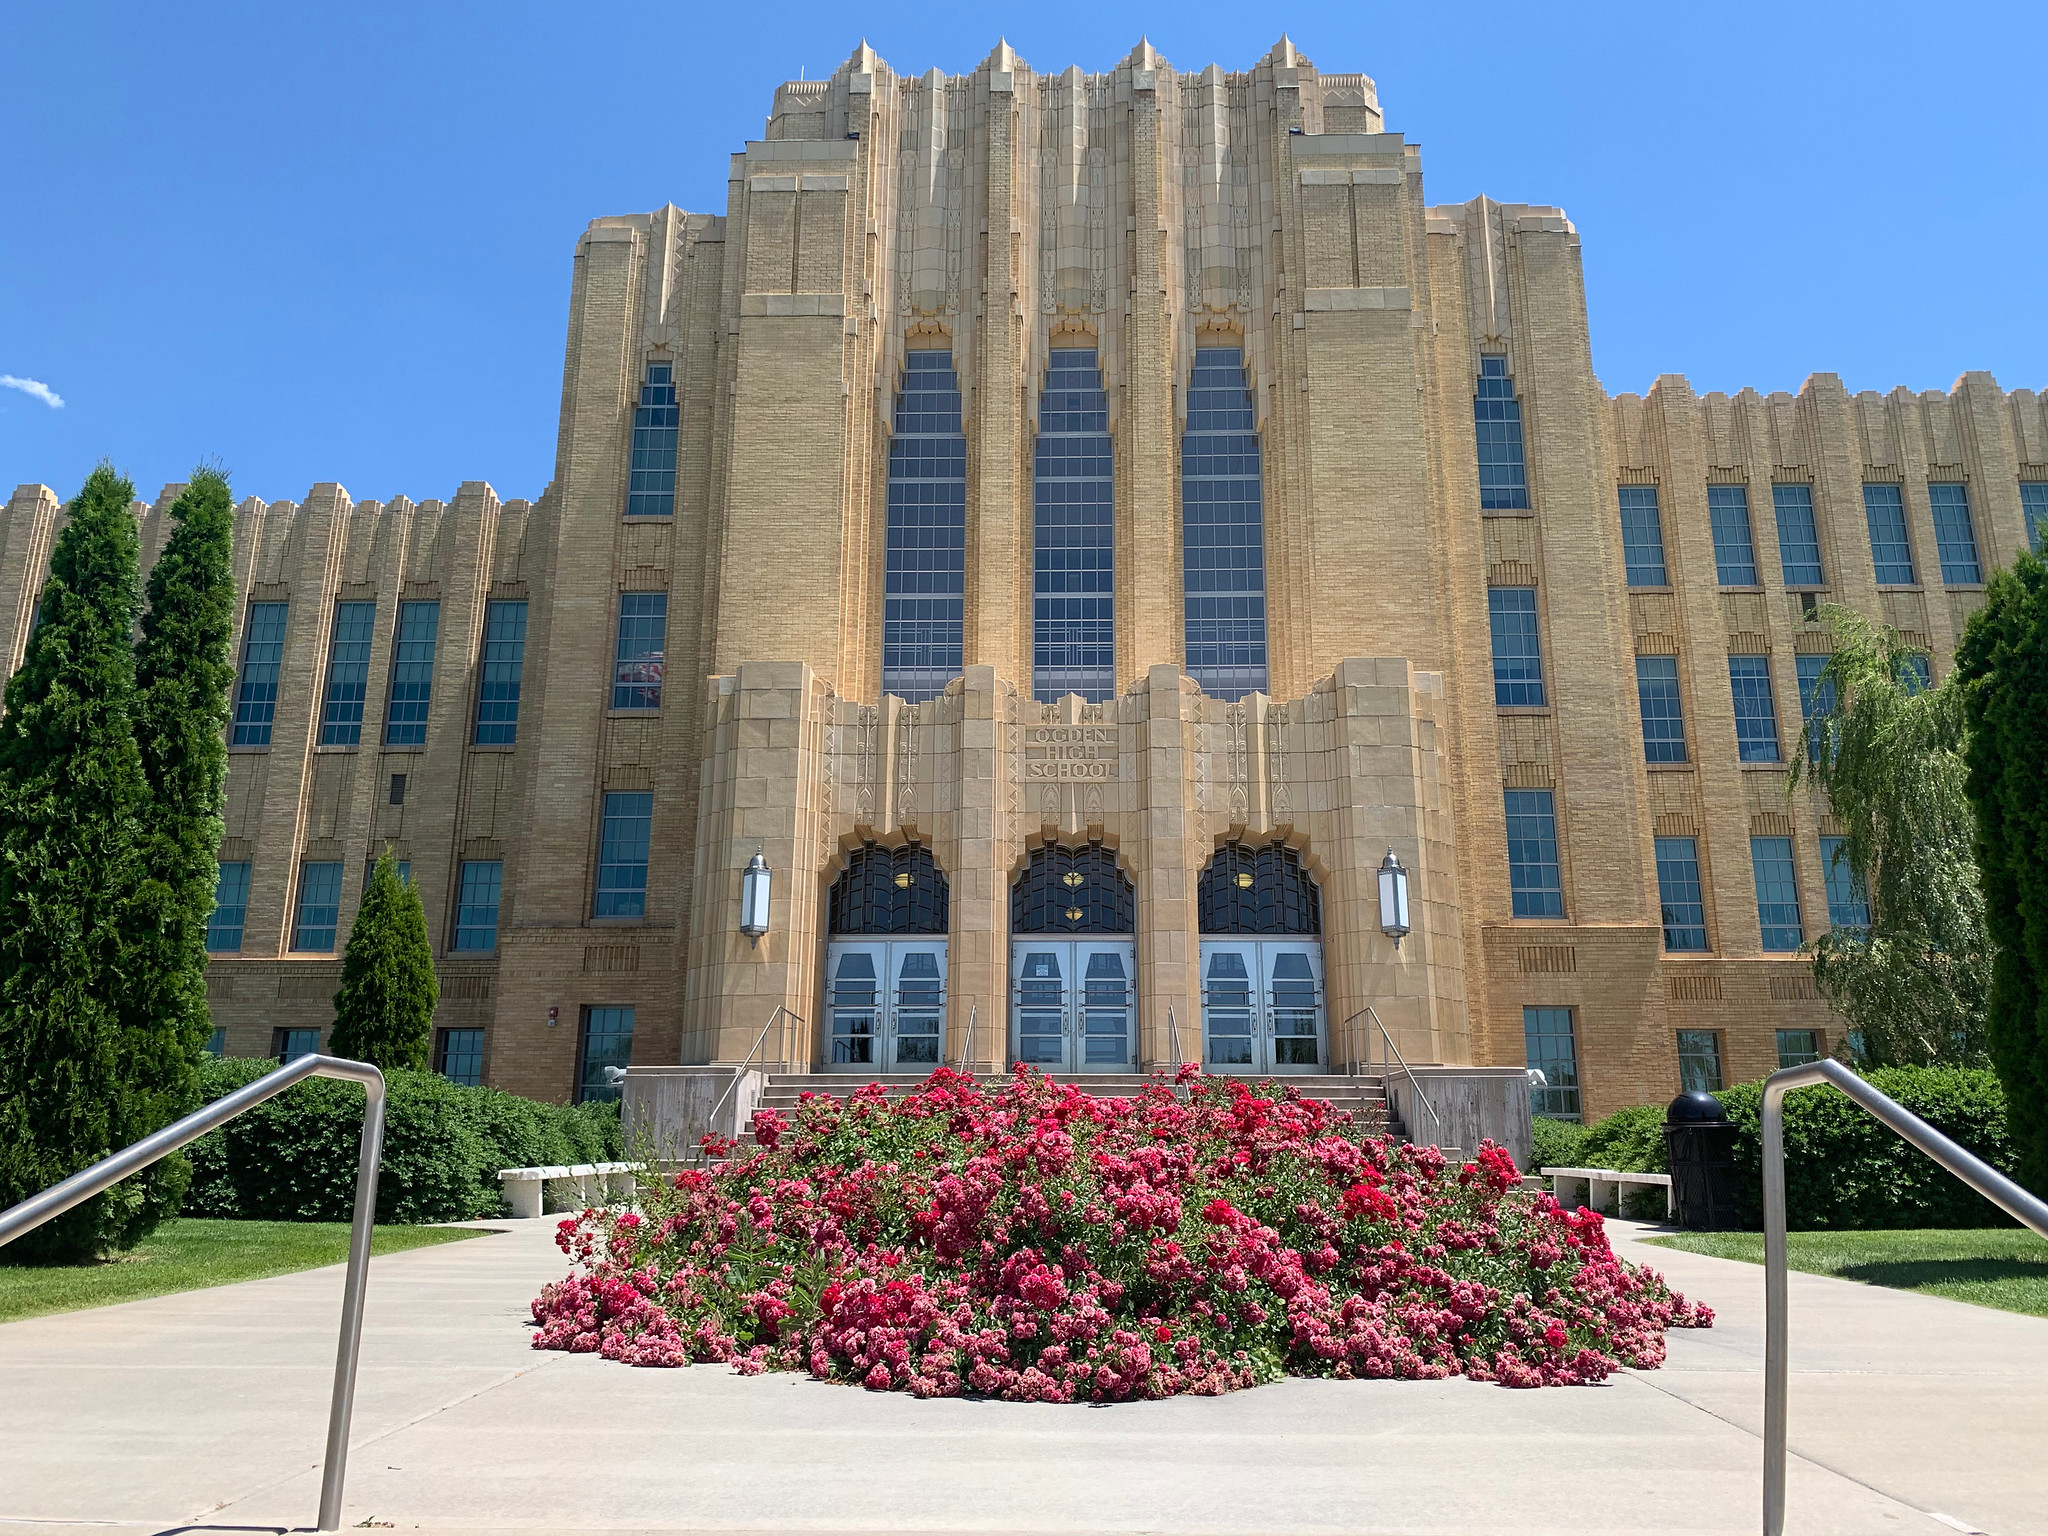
926 546
1073 962
1223 529
885 966
1073 622
1262 961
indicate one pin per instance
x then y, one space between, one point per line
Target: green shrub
1556 1142
1629 1141
1844 1170
293 1158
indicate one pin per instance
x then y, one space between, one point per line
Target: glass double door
1073 1002
1262 1005
885 1005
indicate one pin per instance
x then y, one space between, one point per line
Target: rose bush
1038 1243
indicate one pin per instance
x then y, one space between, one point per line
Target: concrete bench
1602 1188
596 1184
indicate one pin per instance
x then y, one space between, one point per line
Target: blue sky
333 243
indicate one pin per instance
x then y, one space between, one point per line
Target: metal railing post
109 1171
782 1044
967 1045
1965 1165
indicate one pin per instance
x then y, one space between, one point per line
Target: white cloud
34 387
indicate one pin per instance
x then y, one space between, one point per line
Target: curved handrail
1972 1170
109 1171
1415 1092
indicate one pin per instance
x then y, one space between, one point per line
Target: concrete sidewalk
206 1411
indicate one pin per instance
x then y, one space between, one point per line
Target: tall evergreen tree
71 798
182 676
1913 983
384 1012
2003 661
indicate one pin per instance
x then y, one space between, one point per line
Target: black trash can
1699 1146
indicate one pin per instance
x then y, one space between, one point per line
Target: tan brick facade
1140 212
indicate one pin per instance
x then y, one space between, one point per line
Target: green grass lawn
2004 1267
191 1255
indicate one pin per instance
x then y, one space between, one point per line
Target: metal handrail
109 1171
1415 1092
1972 1170
711 1122
967 1045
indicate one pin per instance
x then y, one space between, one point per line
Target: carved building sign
1087 752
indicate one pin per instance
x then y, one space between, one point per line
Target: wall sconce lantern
1393 899
754 899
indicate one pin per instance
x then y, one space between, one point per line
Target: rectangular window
262 655
319 907
1663 719
459 1056
1678 893
1891 553
217 1042
651 482
1734 542
636 665
1798 536
1756 711
1547 1038
1955 539
622 855
230 909
1642 537
925 560
397 792
1497 423
1517 657
1699 1061
1073 527
1223 530
404 871
288 1045
1916 672
604 1053
1796 1047
1816 692
348 674
1848 903
1532 854
504 664
1777 893
476 905
2034 507
412 675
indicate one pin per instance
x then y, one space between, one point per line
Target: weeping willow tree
1886 750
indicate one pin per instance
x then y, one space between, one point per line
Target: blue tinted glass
459 1056
319 907
1663 717
1734 543
230 910
1816 694
348 674
1642 537
412 675
1497 424
262 654
1532 854
925 563
1223 530
504 664
1756 710
651 479
1517 658
1916 672
1777 893
636 665
1848 905
605 1051
1798 538
1890 553
1955 539
1073 586
1678 894
622 855
476 905
2034 507
1547 1038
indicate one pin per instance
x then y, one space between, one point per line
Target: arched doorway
1073 959
885 962
1262 962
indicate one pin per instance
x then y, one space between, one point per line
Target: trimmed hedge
1556 1143
293 1158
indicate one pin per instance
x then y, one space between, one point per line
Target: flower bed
1037 1243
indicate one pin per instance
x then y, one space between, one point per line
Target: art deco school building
1072 526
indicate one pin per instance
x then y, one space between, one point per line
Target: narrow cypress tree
384 1012
182 676
2003 659
71 797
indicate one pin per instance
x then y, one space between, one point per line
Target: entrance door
1262 1005
886 1005
1073 1002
